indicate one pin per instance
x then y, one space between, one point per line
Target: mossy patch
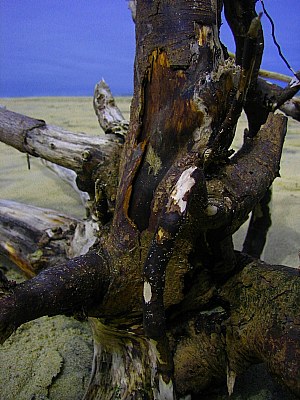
153 160
49 358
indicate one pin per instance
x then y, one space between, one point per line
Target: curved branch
110 118
68 176
77 286
244 180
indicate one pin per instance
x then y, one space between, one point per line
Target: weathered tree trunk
164 281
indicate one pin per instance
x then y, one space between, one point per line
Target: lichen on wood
172 306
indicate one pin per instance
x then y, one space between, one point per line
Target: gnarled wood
109 115
222 342
35 238
164 280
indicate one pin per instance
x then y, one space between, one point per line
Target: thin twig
275 40
269 74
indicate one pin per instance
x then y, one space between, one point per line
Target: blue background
64 47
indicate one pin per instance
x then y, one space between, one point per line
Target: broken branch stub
109 115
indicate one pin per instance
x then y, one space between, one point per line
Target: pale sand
20 357
41 187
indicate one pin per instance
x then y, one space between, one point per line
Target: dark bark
164 281
259 225
74 287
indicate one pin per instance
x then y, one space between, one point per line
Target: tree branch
252 326
52 143
110 118
76 286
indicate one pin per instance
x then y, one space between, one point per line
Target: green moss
153 160
49 358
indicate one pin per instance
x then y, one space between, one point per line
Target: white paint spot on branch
182 188
147 292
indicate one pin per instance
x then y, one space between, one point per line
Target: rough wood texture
35 238
109 115
245 330
79 152
52 143
164 281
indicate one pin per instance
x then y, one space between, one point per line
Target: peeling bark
172 306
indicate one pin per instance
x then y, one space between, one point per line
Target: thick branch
89 156
74 287
52 143
76 151
244 180
258 322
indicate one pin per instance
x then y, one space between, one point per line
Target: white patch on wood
231 376
84 237
211 210
166 390
294 82
182 187
147 292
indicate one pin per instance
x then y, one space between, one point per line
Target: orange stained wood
169 107
19 261
169 116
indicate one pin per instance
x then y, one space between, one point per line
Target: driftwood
35 238
75 151
109 116
173 308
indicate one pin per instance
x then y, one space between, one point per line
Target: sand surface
44 368
40 186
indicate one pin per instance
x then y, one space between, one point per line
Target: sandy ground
38 360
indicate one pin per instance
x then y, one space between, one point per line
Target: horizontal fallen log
79 152
34 238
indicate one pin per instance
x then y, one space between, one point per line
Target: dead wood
35 238
69 176
244 330
76 151
164 281
109 115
